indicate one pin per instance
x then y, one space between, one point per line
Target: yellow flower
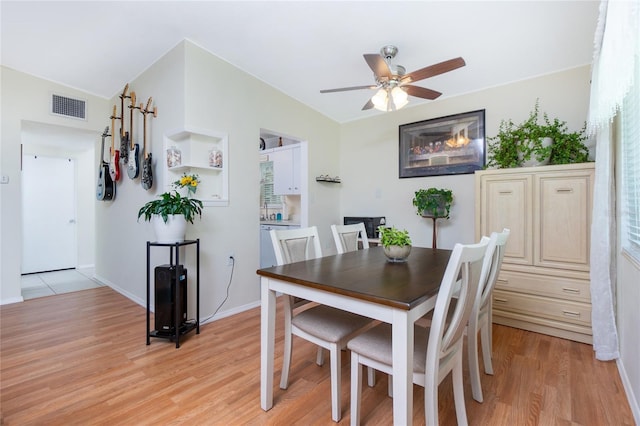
194 183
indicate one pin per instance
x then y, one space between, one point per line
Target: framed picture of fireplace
449 145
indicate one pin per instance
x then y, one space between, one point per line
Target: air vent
68 107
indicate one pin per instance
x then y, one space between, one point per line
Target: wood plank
81 358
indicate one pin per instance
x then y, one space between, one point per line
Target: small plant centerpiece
433 203
170 213
536 142
396 243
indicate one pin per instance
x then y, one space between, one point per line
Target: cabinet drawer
543 307
545 285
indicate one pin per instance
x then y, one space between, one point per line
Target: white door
48 214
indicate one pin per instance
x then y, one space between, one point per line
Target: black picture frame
450 145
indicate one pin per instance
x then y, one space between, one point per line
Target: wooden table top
367 275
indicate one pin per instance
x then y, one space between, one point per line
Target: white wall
193 88
369 152
26 98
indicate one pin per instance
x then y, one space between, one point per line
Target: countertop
280 222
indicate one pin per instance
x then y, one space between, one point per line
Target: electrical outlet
230 259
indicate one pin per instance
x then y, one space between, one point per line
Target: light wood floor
81 358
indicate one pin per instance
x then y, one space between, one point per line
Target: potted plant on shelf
170 213
433 202
396 243
533 143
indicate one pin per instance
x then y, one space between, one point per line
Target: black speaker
165 295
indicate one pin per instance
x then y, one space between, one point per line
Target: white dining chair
346 237
480 319
325 326
437 349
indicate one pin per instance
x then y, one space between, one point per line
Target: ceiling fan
392 82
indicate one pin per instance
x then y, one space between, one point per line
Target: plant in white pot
170 213
536 142
396 243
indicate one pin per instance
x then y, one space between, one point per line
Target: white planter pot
171 232
533 161
397 253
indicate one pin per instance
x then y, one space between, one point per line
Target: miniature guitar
147 172
105 189
124 136
114 164
133 169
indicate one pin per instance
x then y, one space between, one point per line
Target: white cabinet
201 152
544 280
286 170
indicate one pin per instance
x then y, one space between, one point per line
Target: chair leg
286 356
336 408
320 356
458 391
371 377
389 385
356 388
474 368
485 337
431 400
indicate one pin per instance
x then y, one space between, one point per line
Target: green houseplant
433 202
545 141
170 213
396 243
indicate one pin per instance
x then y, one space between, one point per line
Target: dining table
364 282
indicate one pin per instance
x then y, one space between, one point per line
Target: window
630 141
266 185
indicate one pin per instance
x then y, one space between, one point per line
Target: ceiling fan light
379 100
400 97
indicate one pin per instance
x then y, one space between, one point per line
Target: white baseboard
206 319
631 397
230 312
11 300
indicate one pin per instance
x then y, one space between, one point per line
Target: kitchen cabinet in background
286 170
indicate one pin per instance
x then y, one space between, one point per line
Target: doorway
71 146
48 214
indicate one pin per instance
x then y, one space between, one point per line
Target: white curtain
616 45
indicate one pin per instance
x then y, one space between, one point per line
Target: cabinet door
295 170
286 171
564 220
506 203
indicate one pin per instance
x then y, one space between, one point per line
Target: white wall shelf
197 148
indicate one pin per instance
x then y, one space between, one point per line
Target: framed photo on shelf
449 145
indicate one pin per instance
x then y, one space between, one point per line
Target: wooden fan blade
368 105
377 65
433 70
421 92
344 89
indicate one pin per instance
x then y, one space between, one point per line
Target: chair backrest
491 267
346 237
465 262
294 245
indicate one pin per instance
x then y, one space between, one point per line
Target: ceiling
300 47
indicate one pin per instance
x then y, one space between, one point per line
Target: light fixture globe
380 100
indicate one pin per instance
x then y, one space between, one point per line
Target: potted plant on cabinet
396 243
532 143
170 213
